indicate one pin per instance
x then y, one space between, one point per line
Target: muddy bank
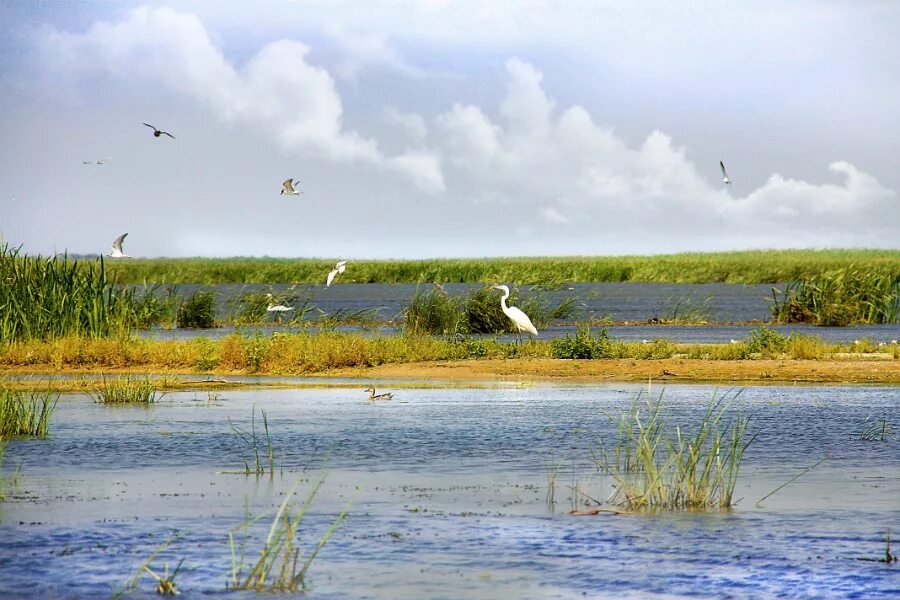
858 370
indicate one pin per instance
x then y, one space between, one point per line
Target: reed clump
282 564
25 413
251 440
125 390
435 312
198 311
660 467
840 297
45 298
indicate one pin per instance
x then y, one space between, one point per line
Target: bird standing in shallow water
117 247
385 396
519 318
288 188
159 132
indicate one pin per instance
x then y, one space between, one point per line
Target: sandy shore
874 371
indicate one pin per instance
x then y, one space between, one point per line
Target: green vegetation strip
756 266
308 353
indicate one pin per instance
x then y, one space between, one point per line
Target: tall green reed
43 298
125 390
25 413
658 468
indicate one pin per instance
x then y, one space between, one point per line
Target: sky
446 128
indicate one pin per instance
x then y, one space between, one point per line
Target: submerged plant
656 468
25 413
282 565
875 430
125 390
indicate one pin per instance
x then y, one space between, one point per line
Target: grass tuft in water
282 565
125 390
875 430
252 442
25 413
840 297
434 312
198 311
658 467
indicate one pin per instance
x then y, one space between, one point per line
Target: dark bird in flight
158 132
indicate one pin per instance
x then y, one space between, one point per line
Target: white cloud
369 50
412 124
278 90
535 152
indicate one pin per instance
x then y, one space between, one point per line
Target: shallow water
450 495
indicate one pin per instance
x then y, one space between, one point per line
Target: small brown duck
373 396
159 132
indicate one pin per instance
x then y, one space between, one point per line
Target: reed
754 266
583 345
434 312
25 413
282 565
125 390
252 442
840 297
198 311
687 310
44 298
657 467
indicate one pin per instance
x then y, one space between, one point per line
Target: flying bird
385 396
339 268
159 132
288 187
95 162
519 318
725 178
117 247
277 308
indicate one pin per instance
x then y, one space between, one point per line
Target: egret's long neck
503 301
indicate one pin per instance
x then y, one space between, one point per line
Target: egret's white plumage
519 318
385 396
725 179
339 268
117 247
279 308
288 187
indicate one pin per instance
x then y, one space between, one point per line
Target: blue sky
449 128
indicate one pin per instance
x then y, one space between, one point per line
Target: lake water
723 304
449 490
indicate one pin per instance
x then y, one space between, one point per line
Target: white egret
339 268
117 247
288 187
519 318
725 178
159 132
385 396
277 308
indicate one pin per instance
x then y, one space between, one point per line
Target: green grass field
756 266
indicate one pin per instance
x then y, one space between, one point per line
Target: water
636 303
449 489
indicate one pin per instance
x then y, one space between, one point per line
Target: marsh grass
25 413
198 311
436 312
757 266
840 297
687 310
660 467
281 564
125 390
165 583
583 345
153 308
45 298
252 442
